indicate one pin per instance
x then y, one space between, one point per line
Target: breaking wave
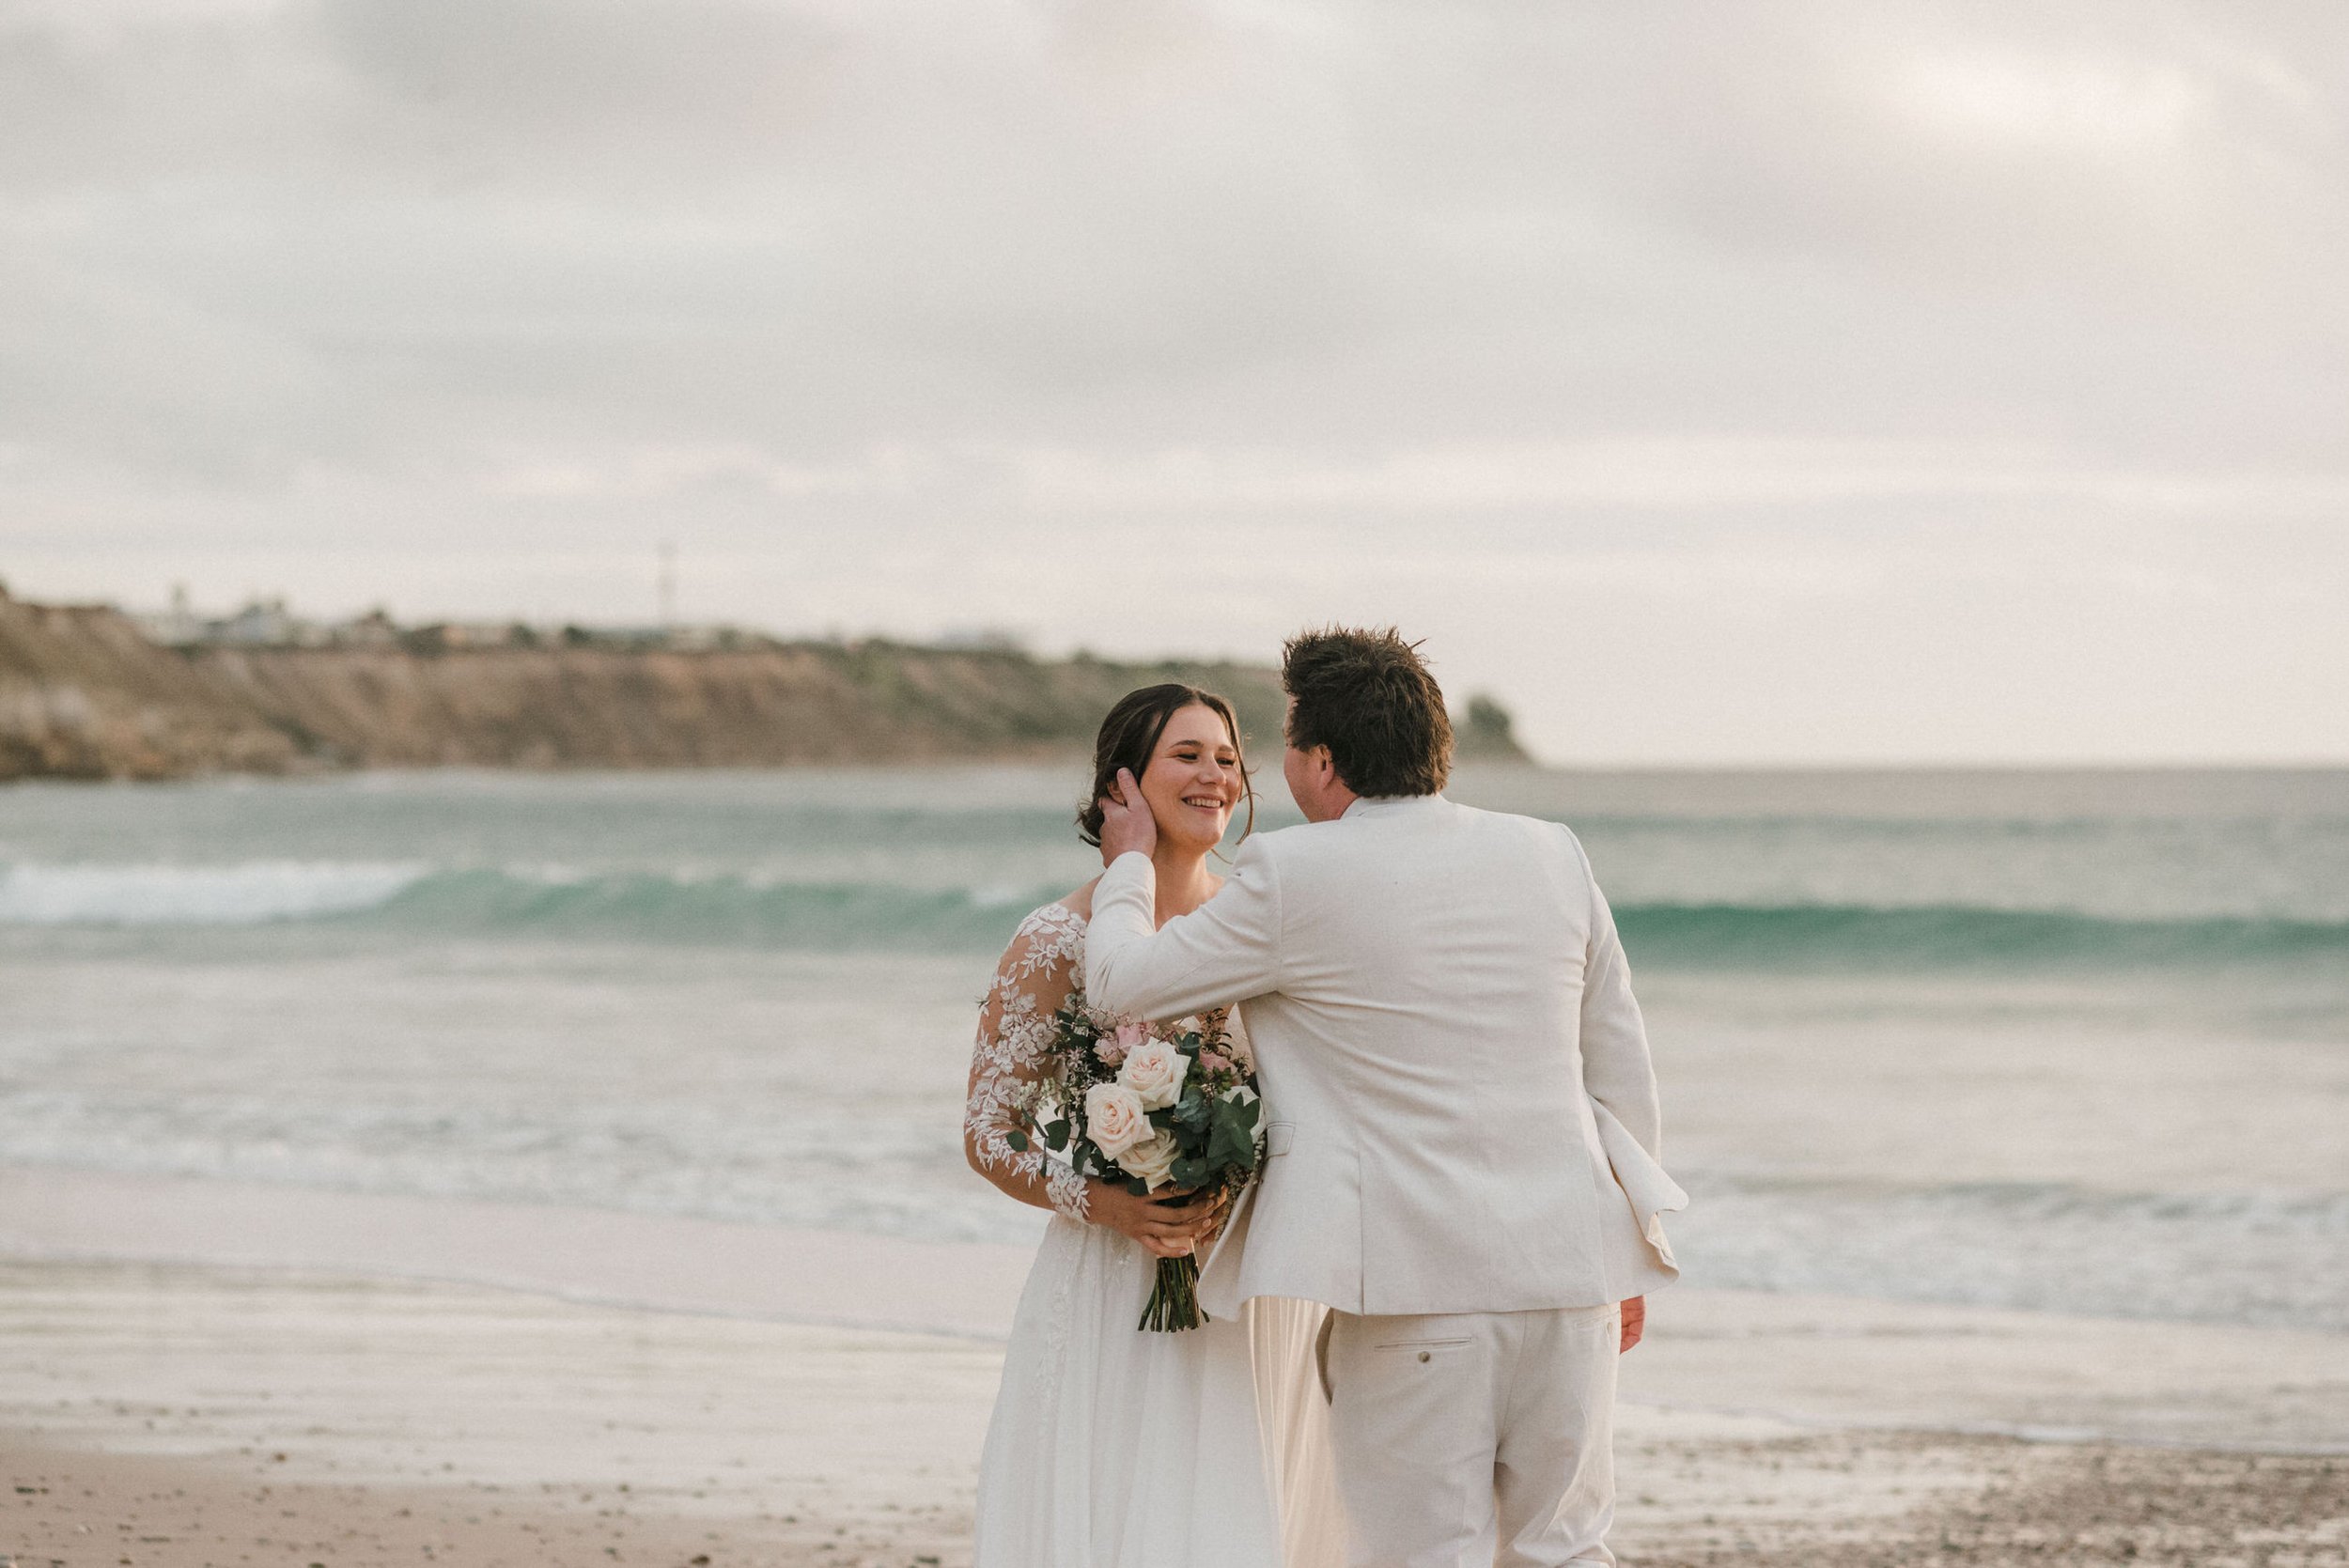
732 909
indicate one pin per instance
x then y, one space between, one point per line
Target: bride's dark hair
1129 737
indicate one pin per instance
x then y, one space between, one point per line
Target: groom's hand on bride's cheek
1633 1321
1127 824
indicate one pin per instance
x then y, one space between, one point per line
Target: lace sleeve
1037 972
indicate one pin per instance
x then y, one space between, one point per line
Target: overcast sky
1869 381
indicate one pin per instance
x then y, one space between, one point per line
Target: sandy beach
206 1372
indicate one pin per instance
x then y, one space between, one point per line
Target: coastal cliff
84 694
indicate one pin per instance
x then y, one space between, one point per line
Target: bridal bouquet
1177 1108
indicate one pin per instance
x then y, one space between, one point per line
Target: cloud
883 306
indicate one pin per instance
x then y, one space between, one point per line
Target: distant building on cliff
269 623
263 623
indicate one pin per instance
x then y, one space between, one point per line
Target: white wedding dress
1112 1446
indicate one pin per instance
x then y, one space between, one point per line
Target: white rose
1153 1160
1115 1118
1155 1070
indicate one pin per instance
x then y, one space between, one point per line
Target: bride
1113 1446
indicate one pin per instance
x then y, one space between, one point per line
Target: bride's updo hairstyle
1129 738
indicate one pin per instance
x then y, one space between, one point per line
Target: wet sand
192 1415
1809 1502
172 1411
1838 1500
108 1508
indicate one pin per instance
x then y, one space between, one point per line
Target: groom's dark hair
1369 697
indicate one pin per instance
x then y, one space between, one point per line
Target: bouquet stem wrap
1173 1303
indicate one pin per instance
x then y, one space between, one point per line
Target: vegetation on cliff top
85 694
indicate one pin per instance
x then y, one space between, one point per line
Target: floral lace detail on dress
1043 966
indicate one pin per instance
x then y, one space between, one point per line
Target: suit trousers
1475 1438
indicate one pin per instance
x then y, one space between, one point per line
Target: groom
1461 1159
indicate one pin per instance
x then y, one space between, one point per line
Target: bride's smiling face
1194 779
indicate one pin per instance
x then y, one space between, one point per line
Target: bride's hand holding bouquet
1165 1224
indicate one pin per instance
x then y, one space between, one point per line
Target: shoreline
214 1374
1807 1362
175 1416
586 1256
191 1413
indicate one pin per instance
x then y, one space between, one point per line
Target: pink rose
1209 1062
1120 1044
1155 1071
1114 1118
1152 1159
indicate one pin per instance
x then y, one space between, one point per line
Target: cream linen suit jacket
1461 1111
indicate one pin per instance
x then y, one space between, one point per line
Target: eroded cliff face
752 707
83 694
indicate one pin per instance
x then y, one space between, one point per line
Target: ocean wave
713 909
246 894
723 909
1937 935
2306 1214
490 901
2271 1259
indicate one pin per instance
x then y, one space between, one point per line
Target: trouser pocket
1421 1345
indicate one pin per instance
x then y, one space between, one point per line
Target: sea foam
248 893
761 910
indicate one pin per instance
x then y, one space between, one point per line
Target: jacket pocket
1279 1137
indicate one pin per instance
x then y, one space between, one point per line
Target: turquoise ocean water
2076 1042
